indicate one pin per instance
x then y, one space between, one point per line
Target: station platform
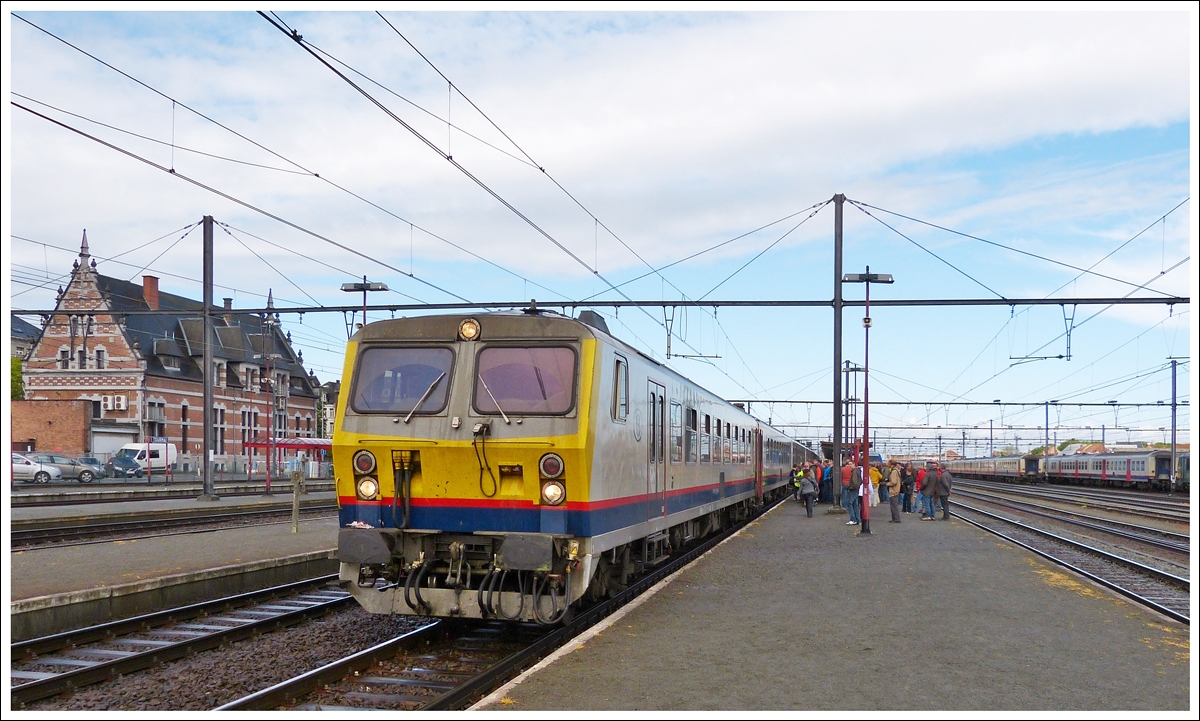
801 614
54 589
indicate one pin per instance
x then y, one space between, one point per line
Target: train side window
676 432
620 407
706 440
690 446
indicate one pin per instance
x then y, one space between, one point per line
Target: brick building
134 354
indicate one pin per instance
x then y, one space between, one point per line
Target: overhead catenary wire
1083 271
597 222
287 160
319 56
863 209
311 259
238 201
172 144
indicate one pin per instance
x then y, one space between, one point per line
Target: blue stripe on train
594 522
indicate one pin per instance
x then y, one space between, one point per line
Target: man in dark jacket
928 487
942 489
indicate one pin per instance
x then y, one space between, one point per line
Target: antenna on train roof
532 309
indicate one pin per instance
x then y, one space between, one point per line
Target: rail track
1154 506
141 491
65 534
1160 590
68 661
1147 535
447 665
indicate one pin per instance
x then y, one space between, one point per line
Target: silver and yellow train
510 465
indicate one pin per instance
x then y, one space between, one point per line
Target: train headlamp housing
551 465
367 488
364 462
553 493
468 329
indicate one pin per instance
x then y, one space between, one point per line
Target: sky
1019 155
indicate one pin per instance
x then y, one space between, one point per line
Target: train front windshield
396 380
526 380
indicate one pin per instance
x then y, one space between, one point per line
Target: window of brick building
64 359
101 358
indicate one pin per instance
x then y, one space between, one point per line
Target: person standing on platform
852 493
876 476
906 487
918 498
794 481
944 482
928 487
893 487
845 488
809 485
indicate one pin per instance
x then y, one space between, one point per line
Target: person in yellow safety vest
876 477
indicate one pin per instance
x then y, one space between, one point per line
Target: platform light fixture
364 287
866 279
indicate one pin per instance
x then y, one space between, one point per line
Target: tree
18 382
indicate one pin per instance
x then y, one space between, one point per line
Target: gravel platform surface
799 613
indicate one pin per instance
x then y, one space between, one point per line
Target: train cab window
620 406
691 450
706 440
395 380
536 380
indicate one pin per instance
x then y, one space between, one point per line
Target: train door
656 467
756 445
1162 468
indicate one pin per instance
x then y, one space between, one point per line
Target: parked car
95 464
70 467
123 467
30 471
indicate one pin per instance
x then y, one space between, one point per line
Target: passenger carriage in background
511 464
1146 469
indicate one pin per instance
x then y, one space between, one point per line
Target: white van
152 457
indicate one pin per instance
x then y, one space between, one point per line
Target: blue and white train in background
1144 469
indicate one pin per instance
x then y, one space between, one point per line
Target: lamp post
268 324
364 286
867 279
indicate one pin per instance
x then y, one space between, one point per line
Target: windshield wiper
489 392
425 395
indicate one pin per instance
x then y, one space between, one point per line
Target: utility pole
1174 409
838 201
209 493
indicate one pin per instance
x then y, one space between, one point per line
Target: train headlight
368 488
551 465
468 329
553 493
364 462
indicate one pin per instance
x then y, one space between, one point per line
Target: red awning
323 444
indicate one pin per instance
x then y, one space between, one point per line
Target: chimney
150 291
228 307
